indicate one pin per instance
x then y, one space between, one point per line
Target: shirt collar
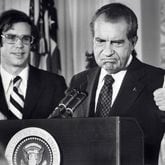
24 75
7 77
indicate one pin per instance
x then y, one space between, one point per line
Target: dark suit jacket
135 99
44 91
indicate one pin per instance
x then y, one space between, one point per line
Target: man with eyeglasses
25 91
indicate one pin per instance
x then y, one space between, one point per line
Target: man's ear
134 41
0 41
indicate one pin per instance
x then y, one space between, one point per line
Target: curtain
162 33
162 63
74 34
16 4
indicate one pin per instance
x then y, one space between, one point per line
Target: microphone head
68 104
76 102
70 94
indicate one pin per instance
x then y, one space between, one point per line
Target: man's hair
114 12
10 17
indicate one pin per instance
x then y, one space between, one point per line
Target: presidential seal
32 146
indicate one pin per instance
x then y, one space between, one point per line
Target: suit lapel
131 87
129 91
33 92
89 83
92 79
3 104
92 87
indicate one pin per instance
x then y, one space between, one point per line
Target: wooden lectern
81 141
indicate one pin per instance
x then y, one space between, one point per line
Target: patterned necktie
105 97
16 98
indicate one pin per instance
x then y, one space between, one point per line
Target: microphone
67 105
74 103
70 94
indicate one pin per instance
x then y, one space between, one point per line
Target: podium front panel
82 141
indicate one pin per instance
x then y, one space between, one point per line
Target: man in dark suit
25 91
114 28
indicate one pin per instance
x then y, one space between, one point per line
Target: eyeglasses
13 38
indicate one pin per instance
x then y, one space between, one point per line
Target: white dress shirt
7 79
118 79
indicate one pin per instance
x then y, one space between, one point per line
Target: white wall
150 32
17 4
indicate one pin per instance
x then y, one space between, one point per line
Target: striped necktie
105 97
16 99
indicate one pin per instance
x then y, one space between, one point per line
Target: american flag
44 14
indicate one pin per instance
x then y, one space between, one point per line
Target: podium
79 141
